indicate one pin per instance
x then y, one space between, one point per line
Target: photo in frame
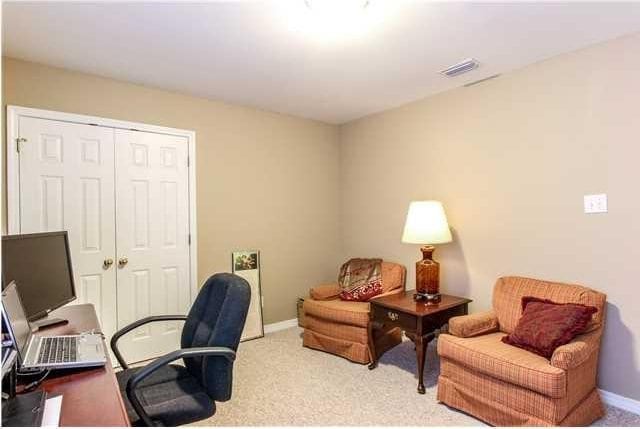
246 264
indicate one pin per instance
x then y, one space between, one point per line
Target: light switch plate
596 203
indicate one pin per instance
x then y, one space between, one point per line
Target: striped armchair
508 386
340 327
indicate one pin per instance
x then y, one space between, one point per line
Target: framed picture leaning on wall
246 264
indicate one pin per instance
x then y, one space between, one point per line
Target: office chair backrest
216 319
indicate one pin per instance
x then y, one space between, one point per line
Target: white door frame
13 168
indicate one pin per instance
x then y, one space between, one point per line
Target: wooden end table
417 319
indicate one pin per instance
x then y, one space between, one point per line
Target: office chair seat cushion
171 396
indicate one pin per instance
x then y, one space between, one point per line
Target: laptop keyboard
57 350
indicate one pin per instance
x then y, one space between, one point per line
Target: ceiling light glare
333 20
335 6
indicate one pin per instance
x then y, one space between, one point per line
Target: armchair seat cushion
171 396
489 355
348 312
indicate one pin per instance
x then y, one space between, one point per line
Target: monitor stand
48 321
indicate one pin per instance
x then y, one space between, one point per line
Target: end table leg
372 347
421 346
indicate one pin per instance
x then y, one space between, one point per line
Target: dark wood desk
91 397
417 319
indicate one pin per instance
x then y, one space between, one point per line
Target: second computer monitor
41 266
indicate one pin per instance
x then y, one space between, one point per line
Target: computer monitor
41 264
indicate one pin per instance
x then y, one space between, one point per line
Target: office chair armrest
130 327
148 369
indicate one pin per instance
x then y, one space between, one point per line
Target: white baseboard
280 326
627 404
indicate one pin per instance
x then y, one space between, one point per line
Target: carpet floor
277 382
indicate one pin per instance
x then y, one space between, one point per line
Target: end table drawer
392 317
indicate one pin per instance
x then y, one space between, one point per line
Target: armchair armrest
130 327
147 370
576 352
473 324
325 292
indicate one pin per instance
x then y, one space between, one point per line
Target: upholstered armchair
508 386
341 327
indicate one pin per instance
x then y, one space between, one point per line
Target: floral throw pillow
360 279
545 325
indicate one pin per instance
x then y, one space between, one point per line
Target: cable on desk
29 387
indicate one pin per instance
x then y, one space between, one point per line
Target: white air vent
462 67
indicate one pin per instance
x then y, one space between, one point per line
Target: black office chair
161 394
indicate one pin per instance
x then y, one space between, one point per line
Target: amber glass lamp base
427 277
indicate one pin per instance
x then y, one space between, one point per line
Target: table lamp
427 225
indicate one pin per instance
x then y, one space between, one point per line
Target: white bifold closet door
67 183
152 219
123 196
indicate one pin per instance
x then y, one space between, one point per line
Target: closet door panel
67 183
152 200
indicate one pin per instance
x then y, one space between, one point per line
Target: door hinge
188 161
189 239
18 141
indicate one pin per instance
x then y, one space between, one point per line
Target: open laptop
50 352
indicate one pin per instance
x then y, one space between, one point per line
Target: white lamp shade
426 224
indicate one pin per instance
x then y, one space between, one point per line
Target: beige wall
511 160
285 167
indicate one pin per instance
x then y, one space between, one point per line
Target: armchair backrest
508 293
393 276
216 319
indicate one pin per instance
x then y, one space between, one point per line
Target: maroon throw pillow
545 325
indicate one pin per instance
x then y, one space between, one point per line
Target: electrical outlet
596 203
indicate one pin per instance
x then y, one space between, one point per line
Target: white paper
253 324
52 408
246 264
